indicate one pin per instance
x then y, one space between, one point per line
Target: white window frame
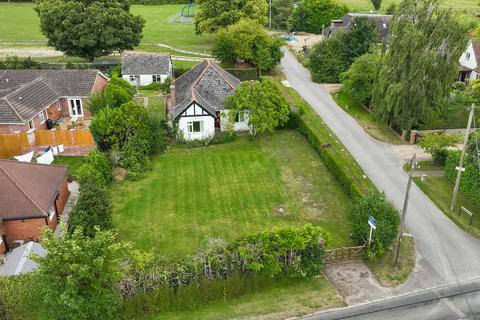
70 107
156 78
241 117
31 125
190 126
42 117
132 78
51 213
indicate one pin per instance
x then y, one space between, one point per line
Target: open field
229 191
377 130
457 5
158 28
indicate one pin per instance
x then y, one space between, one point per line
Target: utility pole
413 163
460 166
270 15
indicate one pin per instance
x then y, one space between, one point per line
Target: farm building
33 197
28 98
197 101
144 69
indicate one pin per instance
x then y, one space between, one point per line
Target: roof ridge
21 189
221 76
13 109
198 65
198 79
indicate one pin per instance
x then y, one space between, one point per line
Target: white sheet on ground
46 158
27 157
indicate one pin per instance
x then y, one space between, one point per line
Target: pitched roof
137 64
476 51
207 84
28 189
24 93
345 23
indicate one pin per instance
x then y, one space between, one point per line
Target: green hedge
156 2
470 183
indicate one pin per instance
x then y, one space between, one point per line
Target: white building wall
238 126
208 127
145 79
468 59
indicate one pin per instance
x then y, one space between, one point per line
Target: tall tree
281 13
376 4
215 14
263 101
89 29
77 276
248 41
418 66
313 15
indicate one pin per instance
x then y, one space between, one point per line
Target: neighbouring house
470 62
197 102
29 97
144 69
345 23
32 197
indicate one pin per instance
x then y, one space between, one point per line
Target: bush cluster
388 222
14 62
117 92
290 252
470 182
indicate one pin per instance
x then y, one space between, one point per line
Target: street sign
372 222
459 168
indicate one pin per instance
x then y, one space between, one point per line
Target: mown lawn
229 191
159 27
377 130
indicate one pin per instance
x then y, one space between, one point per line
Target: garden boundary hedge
470 182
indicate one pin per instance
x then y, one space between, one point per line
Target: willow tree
419 64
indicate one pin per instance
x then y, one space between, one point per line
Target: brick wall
11 128
2 245
63 197
24 229
100 83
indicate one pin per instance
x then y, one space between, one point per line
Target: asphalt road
457 301
445 253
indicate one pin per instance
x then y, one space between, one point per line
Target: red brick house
29 97
32 197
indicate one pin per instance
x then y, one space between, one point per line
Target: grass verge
426 165
282 300
385 270
377 130
439 190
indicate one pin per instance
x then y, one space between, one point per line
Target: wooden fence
77 137
344 254
15 144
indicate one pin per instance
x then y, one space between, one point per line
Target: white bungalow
143 69
198 102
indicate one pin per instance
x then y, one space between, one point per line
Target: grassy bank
377 130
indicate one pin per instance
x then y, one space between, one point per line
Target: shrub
326 60
359 80
93 209
15 62
311 15
437 145
243 74
97 102
152 86
96 169
388 222
116 96
134 155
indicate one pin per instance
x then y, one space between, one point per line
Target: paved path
454 301
74 189
445 253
